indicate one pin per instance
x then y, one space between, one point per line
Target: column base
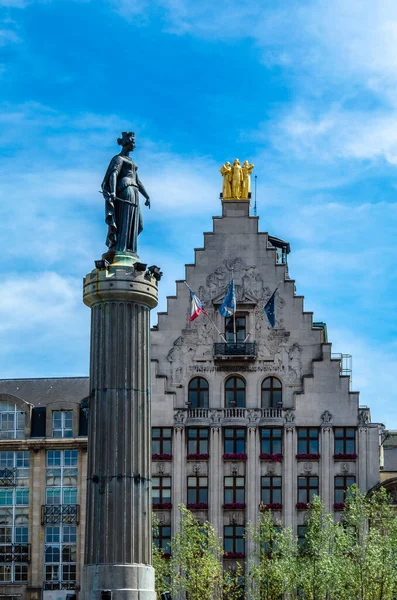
124 582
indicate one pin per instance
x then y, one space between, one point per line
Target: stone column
118 538
178 481
289 476
326 471
362 452
252 474
216 479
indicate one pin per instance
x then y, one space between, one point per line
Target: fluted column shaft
216 479
118 537
327 467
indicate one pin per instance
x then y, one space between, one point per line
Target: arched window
235 392
272 393
12 421
198 393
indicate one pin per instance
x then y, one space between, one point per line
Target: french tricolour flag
196 306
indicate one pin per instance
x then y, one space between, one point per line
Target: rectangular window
197 490
14 516
272 440
234 490
60 553
307 488
241 333
162 440
62 424
301 535
271 489
162 539
308 440
197 440
345 440
342 484
161 490
234 440
233 540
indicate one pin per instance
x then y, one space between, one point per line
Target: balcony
246 351
226 416
60 513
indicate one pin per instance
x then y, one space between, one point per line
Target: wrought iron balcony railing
238 349
60 513
59 585
19 553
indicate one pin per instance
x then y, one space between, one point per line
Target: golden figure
246 186
237 179
226 172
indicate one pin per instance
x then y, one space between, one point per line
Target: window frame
338 497
236 536
308 488
343 441
273 402
232 395
241 329
272 440
201 392
66 428
275 489
234 490
8 409
162 489
304 441
200 442
164 442
200 491
234 439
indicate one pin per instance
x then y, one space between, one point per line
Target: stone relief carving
253 417
363 416
234 469
235 519
178 357
289 416
307 467
294 364
196 469
179 417
270 469
216 416
160 468
344 468
326 417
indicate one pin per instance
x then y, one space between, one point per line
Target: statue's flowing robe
123 215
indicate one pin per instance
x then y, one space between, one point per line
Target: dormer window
62 424
12 421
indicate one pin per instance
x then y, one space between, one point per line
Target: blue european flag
270 310
228 306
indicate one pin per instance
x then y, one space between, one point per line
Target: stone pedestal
118 545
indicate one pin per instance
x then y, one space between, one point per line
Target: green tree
196 560
272 562
161 564
370 526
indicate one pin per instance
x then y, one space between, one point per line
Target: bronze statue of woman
121 187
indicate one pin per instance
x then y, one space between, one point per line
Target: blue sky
304 89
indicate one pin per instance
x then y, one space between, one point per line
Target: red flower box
345 456
307 457
271 506
161 456
166 555
161 505
271 457
303 505
234 555
197 506
196 456
234 456
339 506
233 506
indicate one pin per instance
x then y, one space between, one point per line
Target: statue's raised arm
121 187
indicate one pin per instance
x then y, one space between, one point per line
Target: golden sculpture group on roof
236 180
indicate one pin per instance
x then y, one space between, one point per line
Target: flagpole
207 315
256 320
